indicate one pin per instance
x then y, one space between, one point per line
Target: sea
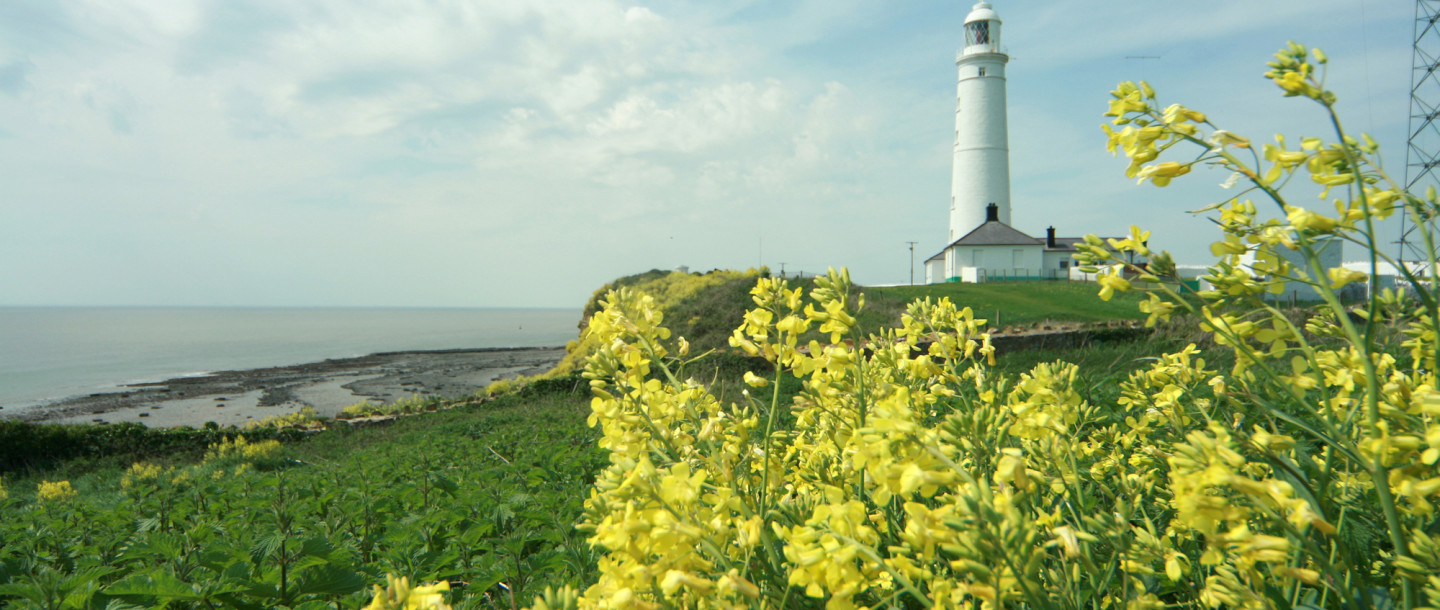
52 353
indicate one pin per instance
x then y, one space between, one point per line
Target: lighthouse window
978 33
982 71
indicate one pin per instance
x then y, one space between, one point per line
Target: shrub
304 419
671 289
239 451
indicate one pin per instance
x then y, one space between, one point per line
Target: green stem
770 431
870 554
1378 472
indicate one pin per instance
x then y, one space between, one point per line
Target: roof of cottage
996 233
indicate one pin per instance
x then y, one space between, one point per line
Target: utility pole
912 261
782 270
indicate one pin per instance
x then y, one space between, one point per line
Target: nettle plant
906 472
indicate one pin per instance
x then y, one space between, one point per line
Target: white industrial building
1327 252
983 246
1388 276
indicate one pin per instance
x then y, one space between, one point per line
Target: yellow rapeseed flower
59 491
399 595
1110 283
140 472
1340 276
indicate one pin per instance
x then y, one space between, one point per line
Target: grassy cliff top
705 308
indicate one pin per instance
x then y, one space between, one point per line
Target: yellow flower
755 381
674 579
3 493
1161 173
1222 138
1158 309
59 491
140 472
1305 220
1340 276
1230 247
399 595
1011 469
1111 283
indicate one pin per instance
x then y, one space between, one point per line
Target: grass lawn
1020 303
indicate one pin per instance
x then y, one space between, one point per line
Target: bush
30 446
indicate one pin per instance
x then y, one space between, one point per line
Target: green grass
707 316
1018 304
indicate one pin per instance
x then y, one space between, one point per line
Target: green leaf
266 546
160 585
443 483
24 591
327 580
322 549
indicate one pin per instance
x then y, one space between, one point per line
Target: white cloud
547 146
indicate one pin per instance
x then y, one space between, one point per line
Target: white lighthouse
982 246
981 172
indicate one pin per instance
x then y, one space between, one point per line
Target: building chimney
992 213
1050 238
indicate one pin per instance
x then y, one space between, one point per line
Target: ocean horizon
52 353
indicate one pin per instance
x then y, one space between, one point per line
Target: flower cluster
241 451
399 595
1320 421
57 491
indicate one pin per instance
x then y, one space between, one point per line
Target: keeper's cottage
983 246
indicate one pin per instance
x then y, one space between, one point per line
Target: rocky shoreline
234 397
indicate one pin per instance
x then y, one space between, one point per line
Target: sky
500 153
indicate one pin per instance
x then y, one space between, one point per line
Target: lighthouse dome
982 12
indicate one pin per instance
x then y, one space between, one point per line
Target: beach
233 398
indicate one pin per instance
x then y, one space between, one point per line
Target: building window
1017 258
1064 264
982 71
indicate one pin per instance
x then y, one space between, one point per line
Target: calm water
52 353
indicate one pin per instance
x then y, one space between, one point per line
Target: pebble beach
232 398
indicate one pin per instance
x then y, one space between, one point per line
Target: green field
484 496
478 495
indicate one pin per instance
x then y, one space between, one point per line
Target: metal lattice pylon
1422 155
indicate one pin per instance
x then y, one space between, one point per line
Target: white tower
981 173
